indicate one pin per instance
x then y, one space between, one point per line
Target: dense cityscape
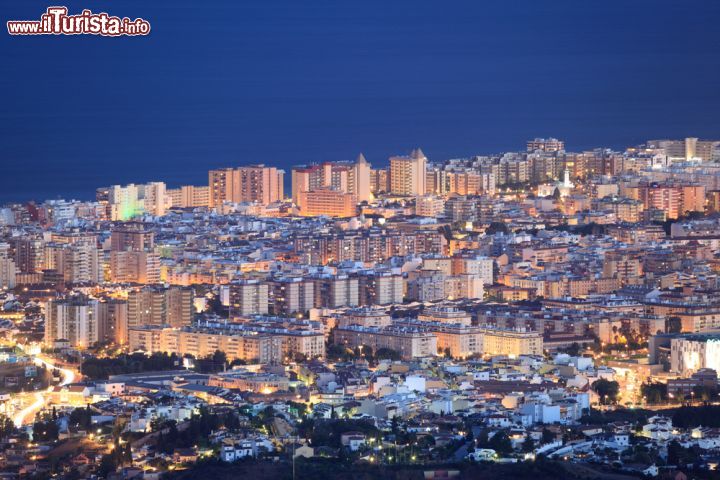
530 314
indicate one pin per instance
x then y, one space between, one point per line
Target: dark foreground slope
333 470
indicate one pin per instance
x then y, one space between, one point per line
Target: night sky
291 82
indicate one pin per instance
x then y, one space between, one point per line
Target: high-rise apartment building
429 206
171 306
74 319
129 201
334 291
77 262
134 267
154 198
379 180
132 236
690 353
288 296
29 254
380 288
328 202
483 267
132 255
249 297
189 196
123 203
674 199
689 148
408 174
545 145
253 183
146 306
113 320
512 342
179 309
409 343
341 177
7 267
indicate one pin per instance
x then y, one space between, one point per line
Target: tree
573 350
219 357
107 465
100 368
395 424
674 452
7 427
704 393
500 442
45 430
388 354
497 227
547 436
679 455
528 445
689 417
607 390
654 392
483 440
81 418
337 352
365 351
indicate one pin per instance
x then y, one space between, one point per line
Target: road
40 399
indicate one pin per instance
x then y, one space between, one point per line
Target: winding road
40 399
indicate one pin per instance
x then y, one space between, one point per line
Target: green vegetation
81 418
121 455
497 227
341 353
331 469
212 363
328 432
607 390
689 417
195 432
654 392
45 429
500 442
7 427
679 455
636 415
101 368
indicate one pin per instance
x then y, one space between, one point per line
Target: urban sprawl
540 309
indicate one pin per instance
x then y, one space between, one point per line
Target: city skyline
373 240
287 182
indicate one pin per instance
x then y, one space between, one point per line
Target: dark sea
233 82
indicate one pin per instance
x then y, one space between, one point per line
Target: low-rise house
658 428
233 450
353 440
185 455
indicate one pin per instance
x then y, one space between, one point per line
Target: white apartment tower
408 174
73 319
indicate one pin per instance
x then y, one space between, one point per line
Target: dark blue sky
287 82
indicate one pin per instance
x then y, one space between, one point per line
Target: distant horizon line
286 183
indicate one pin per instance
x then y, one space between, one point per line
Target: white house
235 450
353 440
